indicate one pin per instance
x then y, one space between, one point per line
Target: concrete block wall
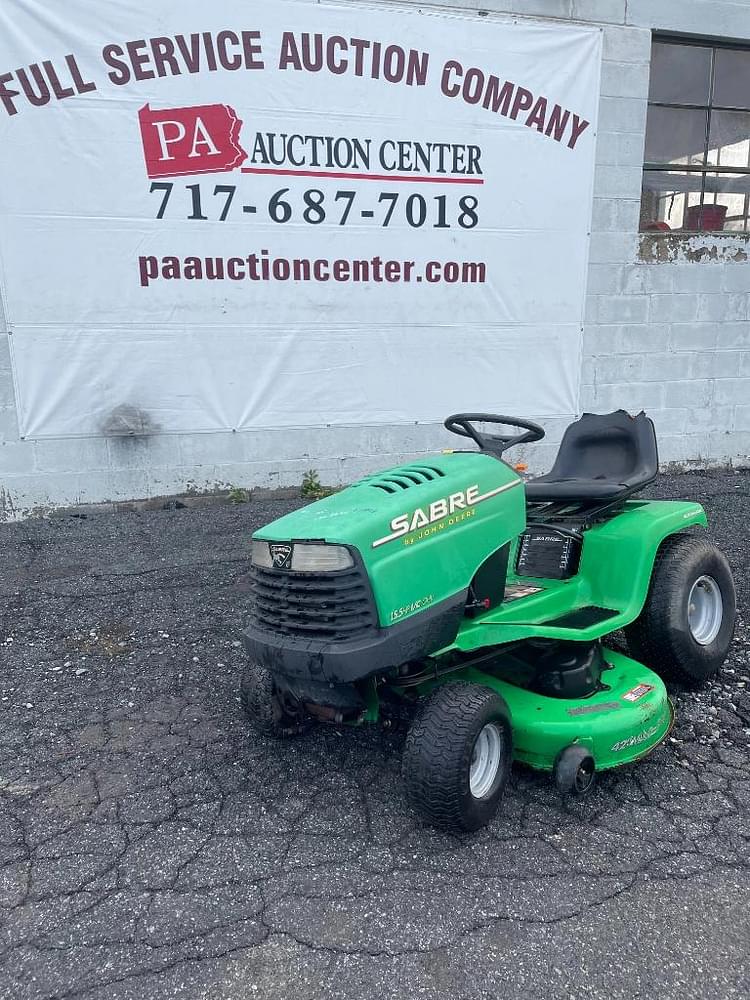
670 335
667 323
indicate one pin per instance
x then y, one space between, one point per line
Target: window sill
715 246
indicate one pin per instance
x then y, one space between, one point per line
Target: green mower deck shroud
614 728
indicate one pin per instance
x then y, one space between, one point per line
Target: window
696 174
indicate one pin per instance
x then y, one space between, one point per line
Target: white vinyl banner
234 215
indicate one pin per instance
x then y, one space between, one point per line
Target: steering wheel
495 444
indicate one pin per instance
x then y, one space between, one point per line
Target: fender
617 560
618 556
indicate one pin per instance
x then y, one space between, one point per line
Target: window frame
713 44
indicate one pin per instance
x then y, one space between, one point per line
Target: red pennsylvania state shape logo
200 140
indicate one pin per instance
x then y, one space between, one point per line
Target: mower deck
617 725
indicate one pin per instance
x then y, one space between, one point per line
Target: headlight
300 556
261 555
320 558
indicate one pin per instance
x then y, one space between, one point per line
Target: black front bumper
349 660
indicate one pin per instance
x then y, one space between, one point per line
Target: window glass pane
725 202
732 78
667 197
680 74
674 135
729 139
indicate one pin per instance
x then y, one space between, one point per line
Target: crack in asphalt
152 845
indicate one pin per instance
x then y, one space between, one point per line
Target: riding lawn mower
482 602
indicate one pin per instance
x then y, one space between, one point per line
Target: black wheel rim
584 777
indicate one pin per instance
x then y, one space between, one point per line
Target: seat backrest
611 446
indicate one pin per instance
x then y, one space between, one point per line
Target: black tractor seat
601 457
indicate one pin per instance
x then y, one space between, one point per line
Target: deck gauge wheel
575 771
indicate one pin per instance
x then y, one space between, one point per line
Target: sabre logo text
404 524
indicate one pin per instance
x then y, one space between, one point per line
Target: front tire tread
437 754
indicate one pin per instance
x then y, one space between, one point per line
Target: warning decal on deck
636 693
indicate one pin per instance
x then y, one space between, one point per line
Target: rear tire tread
653 638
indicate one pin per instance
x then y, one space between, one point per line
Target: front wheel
269 711
687 622
457 756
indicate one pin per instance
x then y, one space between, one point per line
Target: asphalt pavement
153 846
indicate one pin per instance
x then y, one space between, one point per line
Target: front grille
328 606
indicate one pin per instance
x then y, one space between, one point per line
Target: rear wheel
457 756
686 625
269 711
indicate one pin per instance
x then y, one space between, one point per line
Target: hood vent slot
403 478
428 471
